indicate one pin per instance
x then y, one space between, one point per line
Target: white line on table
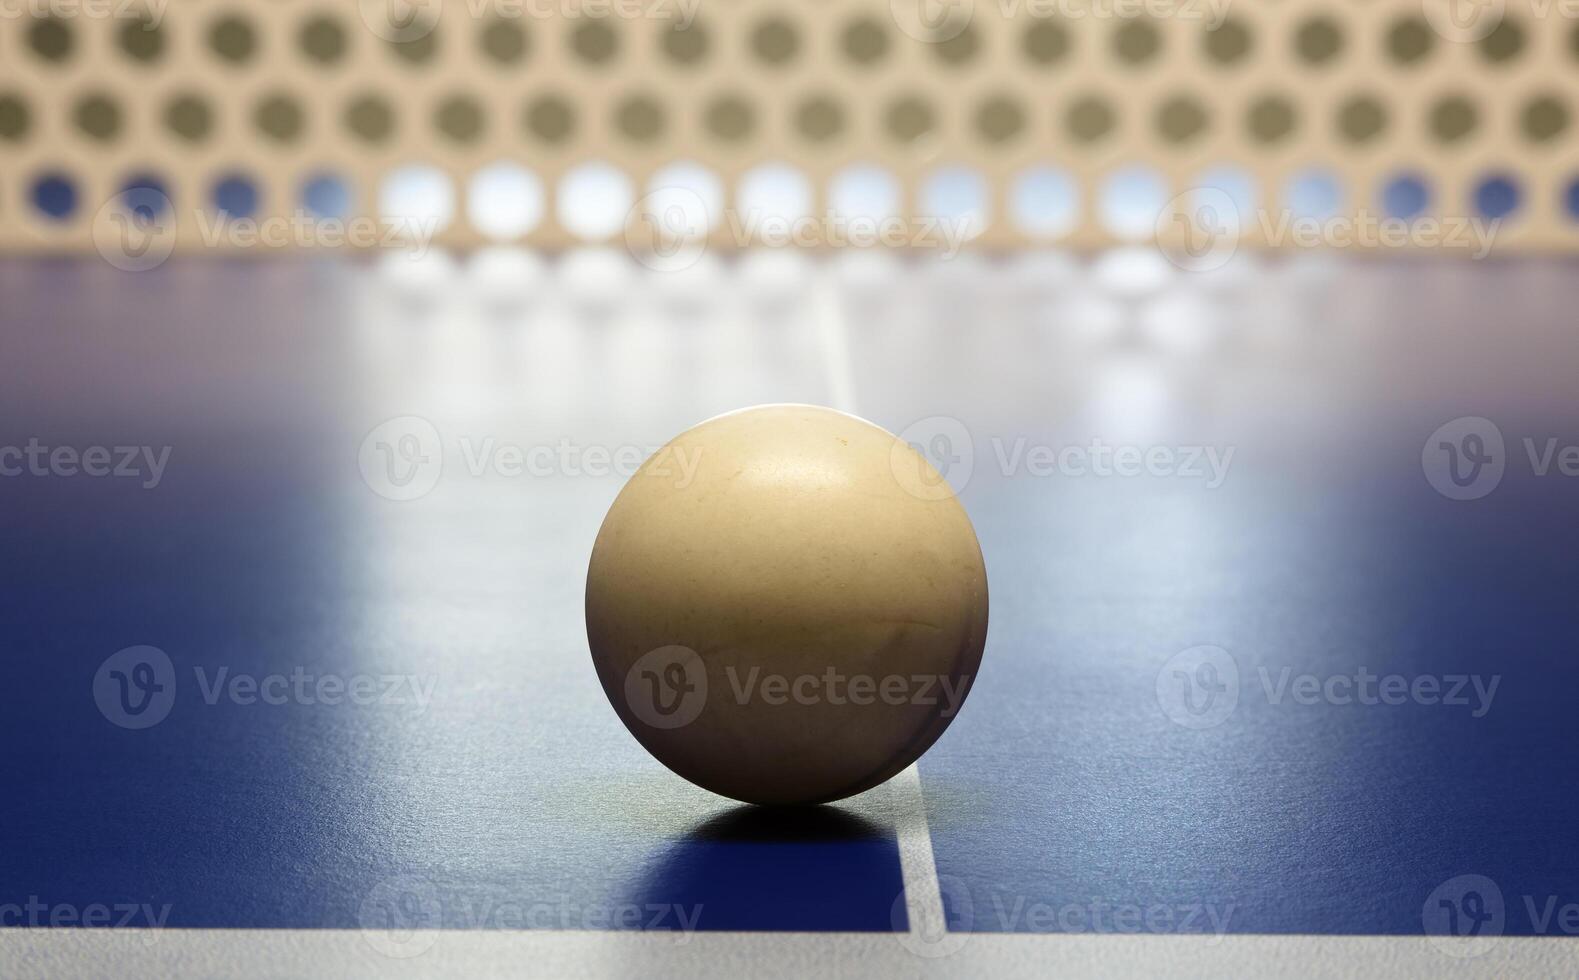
923 896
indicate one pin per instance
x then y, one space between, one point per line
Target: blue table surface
1066 797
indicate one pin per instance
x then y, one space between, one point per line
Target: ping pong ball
786 604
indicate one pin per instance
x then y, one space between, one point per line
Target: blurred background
143 126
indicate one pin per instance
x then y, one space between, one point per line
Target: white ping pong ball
777 614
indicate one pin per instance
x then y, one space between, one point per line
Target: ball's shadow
785 824
795 869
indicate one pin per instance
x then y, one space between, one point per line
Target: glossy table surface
1173 730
